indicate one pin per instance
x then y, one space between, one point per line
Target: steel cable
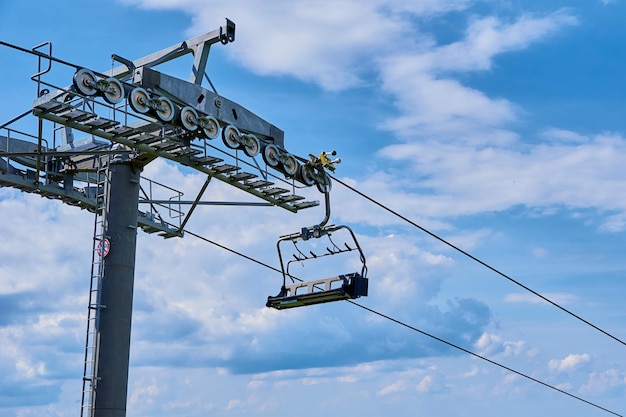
472 257
408 326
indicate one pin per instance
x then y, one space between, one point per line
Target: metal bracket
198 46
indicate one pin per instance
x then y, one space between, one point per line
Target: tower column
116 294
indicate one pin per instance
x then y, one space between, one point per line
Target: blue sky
495 124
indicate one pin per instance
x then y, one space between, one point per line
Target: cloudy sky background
495 124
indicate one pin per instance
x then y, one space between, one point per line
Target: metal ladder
99 251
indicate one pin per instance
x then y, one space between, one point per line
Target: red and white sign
103 247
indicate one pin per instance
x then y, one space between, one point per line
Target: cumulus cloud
610 381
563 135
432 102
487 37
492 344
497 178
425 385
302 40
569 363
392 388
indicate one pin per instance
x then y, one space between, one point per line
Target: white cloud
433 103
397 386
610 380
426 7
300 38
569 363
559 298
233 404
425 385
614 224
563 135
496 178
492 344
144 392
487 37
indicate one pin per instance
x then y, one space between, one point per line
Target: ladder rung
102 123
290 198
146 139
258 183
53 106
242 176
167 146
205 160
186 151
79 115
306 204
274 191
122 131
225 168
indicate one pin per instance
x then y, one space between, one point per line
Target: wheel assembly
189 118
113 90
165 109
251 145
210 126
230 136
323 183
270 155
139 100
290 165
85 82
307 175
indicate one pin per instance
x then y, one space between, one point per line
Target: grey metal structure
130 116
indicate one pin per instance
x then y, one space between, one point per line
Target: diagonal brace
195 204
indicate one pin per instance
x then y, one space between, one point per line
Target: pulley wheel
230 136
189 118
85 82
270 155
306 174
114 91
210 127
139 100
251 145
323 183
165 110
290 164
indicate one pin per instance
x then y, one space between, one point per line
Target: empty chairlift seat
295 292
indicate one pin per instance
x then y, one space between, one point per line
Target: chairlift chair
299 293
